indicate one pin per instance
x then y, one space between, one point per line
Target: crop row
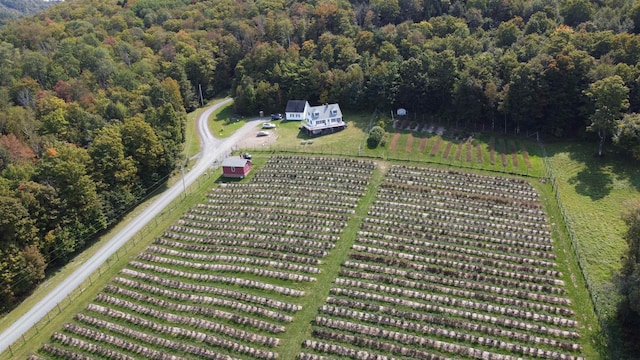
479 209
168 317
233 259
327 163
459 292
92 349
405 338
466 177
331 348
214 278
270 235
442 265
190 289
477 183
277 243
528 206
394 316
202 227
419 246
235 250
251 224
458 282
470 263
430 312
226 268
416 216
324 166
488 192
357 183
199 310
455 302
369 296
458 237
252 204
281 220
327 202
172 331
460 274
311 173
287 190
427 225
247 211
494 206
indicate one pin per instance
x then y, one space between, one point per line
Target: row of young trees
93 93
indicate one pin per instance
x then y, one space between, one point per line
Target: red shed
236 167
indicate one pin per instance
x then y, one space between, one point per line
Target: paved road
212 150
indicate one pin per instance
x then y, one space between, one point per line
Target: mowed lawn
594 193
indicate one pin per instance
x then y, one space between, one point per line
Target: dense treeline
93 94
13 9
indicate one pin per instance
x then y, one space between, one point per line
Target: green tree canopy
610 98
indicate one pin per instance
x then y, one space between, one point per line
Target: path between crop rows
300 328
212 150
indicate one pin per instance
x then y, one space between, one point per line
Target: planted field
488 152
448 265
443 265
227 279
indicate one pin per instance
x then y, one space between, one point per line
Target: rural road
212 150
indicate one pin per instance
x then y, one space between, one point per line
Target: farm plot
448 265
226 280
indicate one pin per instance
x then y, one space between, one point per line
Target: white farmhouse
324 119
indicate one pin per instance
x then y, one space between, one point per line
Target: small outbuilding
236 167
296 110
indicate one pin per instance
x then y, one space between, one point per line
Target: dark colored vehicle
276 116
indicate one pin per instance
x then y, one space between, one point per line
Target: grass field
594 192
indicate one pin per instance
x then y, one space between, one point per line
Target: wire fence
398 156
95 277
575 240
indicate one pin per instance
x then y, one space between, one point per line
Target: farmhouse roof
295 105
326 111
235 162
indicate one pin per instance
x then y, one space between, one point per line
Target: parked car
263 133
246 155
276 116
268 125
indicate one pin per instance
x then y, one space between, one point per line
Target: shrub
375 137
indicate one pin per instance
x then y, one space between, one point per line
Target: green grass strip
300 328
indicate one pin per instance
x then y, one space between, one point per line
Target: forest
13 9
94 94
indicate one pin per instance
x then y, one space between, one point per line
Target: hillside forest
13 9
94 94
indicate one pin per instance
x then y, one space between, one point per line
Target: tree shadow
592 182
596 178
